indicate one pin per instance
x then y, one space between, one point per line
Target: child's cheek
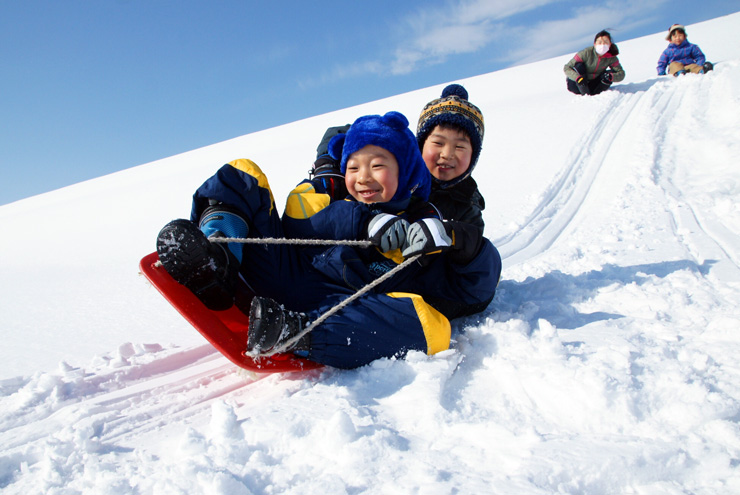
429 157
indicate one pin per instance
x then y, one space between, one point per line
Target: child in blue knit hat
379 163
388 185
376 144
389 132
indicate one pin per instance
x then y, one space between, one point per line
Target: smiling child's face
372 174
447 153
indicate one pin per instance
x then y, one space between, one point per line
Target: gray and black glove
427 236
388 232
462 240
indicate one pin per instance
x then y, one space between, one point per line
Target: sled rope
290 342
323 242
283 240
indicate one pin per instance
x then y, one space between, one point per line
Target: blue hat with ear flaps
391 132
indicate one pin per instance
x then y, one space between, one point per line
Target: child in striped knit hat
450 136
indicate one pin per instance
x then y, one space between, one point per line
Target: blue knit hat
453 108
390 132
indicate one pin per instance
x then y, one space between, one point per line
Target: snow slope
607 362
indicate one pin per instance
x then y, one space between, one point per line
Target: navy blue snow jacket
441 281
389 321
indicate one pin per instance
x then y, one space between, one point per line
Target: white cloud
436 46
468 26
341 72
458 27
469 12
548 38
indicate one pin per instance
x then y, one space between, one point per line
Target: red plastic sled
225 330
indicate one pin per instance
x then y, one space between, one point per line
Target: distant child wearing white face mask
594 69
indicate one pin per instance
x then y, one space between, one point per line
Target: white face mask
601 49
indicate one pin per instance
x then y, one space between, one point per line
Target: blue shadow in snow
631 88
553 296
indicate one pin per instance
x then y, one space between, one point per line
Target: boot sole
185 253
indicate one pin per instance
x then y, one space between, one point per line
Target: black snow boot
708 66
209 270
270 324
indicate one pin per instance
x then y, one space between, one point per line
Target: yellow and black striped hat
453 108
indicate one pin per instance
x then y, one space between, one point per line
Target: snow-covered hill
607 363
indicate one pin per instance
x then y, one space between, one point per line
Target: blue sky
90 87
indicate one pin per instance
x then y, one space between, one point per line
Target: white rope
317 242
290 342
283 240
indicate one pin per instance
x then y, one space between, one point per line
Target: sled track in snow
54 419
564 197
116 404
663 104
701 232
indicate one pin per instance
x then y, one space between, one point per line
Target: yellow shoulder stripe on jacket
304 202
249 167
436 326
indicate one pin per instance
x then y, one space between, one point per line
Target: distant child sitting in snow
681 56
594 69
389 185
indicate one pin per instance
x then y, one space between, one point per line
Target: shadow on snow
553 296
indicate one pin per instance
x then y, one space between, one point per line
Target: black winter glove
325 175
388 232
582 86
468 241
327 179
607 78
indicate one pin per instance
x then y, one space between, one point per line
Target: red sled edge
225 330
